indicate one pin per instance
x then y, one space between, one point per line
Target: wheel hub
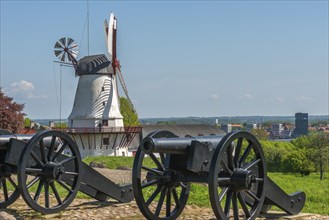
242 179
52 170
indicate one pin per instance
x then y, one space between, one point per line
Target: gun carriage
233 166
46 169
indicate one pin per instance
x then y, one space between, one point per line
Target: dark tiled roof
184 130
95 64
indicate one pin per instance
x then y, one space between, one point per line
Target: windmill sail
111 34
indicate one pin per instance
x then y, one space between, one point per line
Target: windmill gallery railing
123 136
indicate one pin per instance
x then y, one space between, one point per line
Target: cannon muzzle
4 139
176 145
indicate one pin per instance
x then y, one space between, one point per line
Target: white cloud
22 89
214 97
302 98
246 96
278 100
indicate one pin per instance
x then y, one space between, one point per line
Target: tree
260 134
11 115
320 145
130 117
27 122
317 149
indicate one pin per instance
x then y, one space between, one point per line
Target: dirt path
89 209
94 210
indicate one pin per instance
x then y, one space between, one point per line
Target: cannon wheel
49 158
150 194
237 176
9 191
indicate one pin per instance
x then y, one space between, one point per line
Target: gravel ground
91 209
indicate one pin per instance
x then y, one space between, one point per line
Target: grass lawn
317 191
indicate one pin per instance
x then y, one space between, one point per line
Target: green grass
317 191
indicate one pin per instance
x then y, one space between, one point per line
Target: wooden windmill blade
111 36
110 31
124 88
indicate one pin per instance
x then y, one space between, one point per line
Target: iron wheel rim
174 196
222 174
49 159
9 191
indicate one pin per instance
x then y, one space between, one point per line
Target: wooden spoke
58 198
223 193
230 156
159 206
150 183
71 173
249 165
168 203
4 188
38 192
237 151
152 197
252 195
60 151
32 182
174 193
226 167
12 182
67 160
51 147
245 154
36 159
235 207
243 205
152 170
42 151
157 162
46 195
60 182
228 203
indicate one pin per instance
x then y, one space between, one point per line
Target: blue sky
185 58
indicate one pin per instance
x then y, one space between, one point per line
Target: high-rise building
301 124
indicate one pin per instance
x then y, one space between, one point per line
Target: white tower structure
96 101
95 122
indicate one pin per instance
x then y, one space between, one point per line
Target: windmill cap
95 64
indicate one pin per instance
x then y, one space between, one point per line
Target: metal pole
88 24
60 96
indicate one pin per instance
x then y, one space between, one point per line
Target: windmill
111 42
96 123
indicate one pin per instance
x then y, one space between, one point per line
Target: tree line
302 155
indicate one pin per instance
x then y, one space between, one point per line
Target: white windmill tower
95 122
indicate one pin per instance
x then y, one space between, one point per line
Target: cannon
233 166
46 169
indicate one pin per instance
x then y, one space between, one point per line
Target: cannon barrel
4 139
176 145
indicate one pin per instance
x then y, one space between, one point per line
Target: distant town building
226 127
249 127
276 131
301 124
280 131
